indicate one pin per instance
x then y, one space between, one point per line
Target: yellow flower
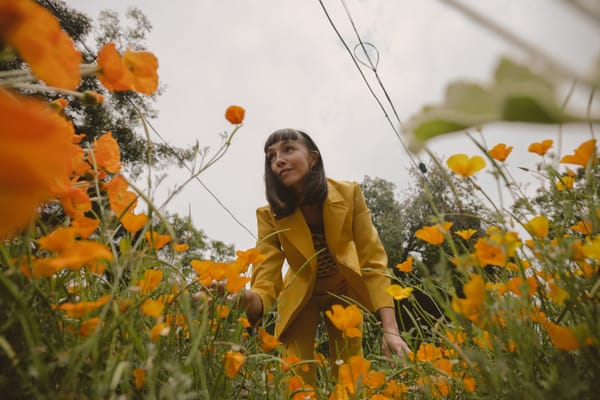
582 155
500 152
538 226
466 234
235 114
348 319
565 182
36 34
591 249
465 166
234 360
540 148
406 266
433 234
398 292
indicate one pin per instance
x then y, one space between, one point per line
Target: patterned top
329 279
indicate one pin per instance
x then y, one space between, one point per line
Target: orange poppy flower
34 140
139 377
516 284
88 326
487 253
158 330
352 373
152 308
235 114
466 234
465 166
267 341
106 153
346 319
133 71
84 226
540 148
406 266
561 336
132 222
582 155
234 360
565 182
500 152
472 304
235 281
82 308
152 278
36 34
75 202
157 240
119 198
434 234
181 247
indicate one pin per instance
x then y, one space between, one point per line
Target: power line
420 165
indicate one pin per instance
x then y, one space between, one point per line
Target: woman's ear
314 157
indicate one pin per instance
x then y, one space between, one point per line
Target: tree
120 112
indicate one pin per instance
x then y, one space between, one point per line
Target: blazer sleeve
371 253
267 279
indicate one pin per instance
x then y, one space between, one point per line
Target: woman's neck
313 214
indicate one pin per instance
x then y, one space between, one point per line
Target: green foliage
516 94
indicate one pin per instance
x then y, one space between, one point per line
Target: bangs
281 135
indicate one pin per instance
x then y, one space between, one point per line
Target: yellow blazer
351 239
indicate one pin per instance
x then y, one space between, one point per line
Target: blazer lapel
334 215
295 229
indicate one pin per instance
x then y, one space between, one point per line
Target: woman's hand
393 344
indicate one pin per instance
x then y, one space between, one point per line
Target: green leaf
517 94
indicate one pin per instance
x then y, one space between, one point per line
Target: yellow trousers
299 338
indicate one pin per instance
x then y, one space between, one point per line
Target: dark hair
283 200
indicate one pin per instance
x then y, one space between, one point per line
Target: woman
323 229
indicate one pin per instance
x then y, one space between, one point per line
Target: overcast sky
282 61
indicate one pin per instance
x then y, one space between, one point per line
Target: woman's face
291 161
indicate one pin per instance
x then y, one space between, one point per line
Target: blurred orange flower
157 240
132 222
565 182
160 329
88 327
133 71
235 114
36 34
152 308
82 308
406 266
181 247
465 166
34 142
487 253
582 155
119 198
466 234
75 202
234 360
106 153
540 148
517 284
139 377
561 336
85 226
348 319
152 277
434 234
500 152
267 341
472 304
354 372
